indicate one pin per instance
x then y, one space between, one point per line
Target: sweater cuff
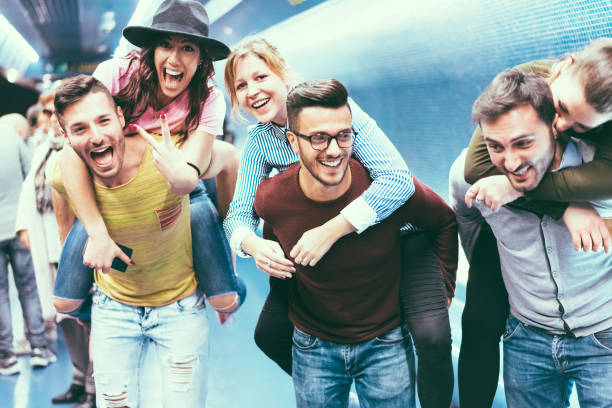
359 214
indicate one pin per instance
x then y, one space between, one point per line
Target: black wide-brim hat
179 17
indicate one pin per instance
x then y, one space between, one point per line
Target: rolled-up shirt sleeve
392 183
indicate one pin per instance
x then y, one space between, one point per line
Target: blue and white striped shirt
267 148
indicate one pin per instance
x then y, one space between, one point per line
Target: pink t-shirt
113 73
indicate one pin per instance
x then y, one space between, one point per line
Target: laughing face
94 129
323 175
260 91
521 146
176 60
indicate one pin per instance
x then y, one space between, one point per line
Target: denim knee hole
181 369
113 389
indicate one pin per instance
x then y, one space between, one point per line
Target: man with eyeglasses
345 310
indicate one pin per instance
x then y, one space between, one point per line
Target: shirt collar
571 156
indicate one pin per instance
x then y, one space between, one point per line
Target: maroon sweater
352 294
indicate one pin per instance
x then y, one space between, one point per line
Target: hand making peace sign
169 159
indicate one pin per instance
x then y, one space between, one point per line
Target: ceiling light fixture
12 75
21 44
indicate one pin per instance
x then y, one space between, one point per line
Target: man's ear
566 62
292 138
120 116
63 134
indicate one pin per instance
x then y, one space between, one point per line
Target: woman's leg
224 167
212 259
74 280
274 330
424 306
483 321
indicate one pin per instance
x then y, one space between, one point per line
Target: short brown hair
73 90
511 89
327 93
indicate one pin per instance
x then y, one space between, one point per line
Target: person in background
14 166
35 222
36 119
19 123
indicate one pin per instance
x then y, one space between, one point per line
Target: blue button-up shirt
550 285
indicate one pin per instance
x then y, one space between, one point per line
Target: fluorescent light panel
13 35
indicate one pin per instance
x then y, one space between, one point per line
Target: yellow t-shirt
144 215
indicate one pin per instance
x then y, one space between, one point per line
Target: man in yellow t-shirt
155 298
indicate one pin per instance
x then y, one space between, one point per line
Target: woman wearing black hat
168 77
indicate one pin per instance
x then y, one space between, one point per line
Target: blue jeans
13 251
382 368
212 258
120 334
540 368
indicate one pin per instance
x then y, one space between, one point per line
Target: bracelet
195 168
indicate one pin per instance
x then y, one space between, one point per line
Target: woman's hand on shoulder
269 256
170 160
493 191
315 243
587 228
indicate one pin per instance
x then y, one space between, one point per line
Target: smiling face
521 146
573 112
323 175
94 129
176 60
260 91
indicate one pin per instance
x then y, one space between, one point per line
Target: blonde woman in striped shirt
257 79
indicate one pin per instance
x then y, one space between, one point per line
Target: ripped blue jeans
212 259
121 333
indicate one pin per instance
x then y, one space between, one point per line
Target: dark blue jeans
540 368
382 369
212 258
13 251
423 303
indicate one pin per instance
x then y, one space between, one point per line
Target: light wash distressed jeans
382 368
540 368
179 334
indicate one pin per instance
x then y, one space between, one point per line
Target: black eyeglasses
321 141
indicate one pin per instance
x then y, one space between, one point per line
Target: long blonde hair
261 48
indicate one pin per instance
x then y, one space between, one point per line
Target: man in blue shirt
559 329
14 166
